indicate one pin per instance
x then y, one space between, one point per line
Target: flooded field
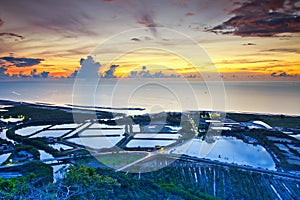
96 142
99 132
30 130
50 133
4 157
44 155
229 149
157 136
148 143
70 126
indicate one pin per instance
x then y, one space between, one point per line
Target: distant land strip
101 107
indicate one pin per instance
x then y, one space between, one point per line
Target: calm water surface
155 96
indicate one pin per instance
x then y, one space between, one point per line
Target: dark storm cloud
22 62
282 74
262 18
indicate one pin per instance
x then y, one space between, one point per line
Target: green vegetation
39 115
39 143
174 118
87 183
115 160
200 179
3 141
273 120
42 173
30 149
132 187
119 159
180 180
141 119
15 157
34 182
185 194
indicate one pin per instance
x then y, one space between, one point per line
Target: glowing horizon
53 37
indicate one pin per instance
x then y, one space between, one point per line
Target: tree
85 182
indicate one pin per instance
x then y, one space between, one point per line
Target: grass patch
120 159
111 160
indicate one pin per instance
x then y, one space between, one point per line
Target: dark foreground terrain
179 177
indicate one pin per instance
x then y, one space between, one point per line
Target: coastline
118 109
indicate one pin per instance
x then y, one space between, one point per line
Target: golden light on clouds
58 35
154 60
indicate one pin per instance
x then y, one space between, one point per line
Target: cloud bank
262 18
21 62
282 74
144 73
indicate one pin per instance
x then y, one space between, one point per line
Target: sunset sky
243 40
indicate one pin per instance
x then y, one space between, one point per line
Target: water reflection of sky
96 142
229 149
4 157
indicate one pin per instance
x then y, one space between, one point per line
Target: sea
156 95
